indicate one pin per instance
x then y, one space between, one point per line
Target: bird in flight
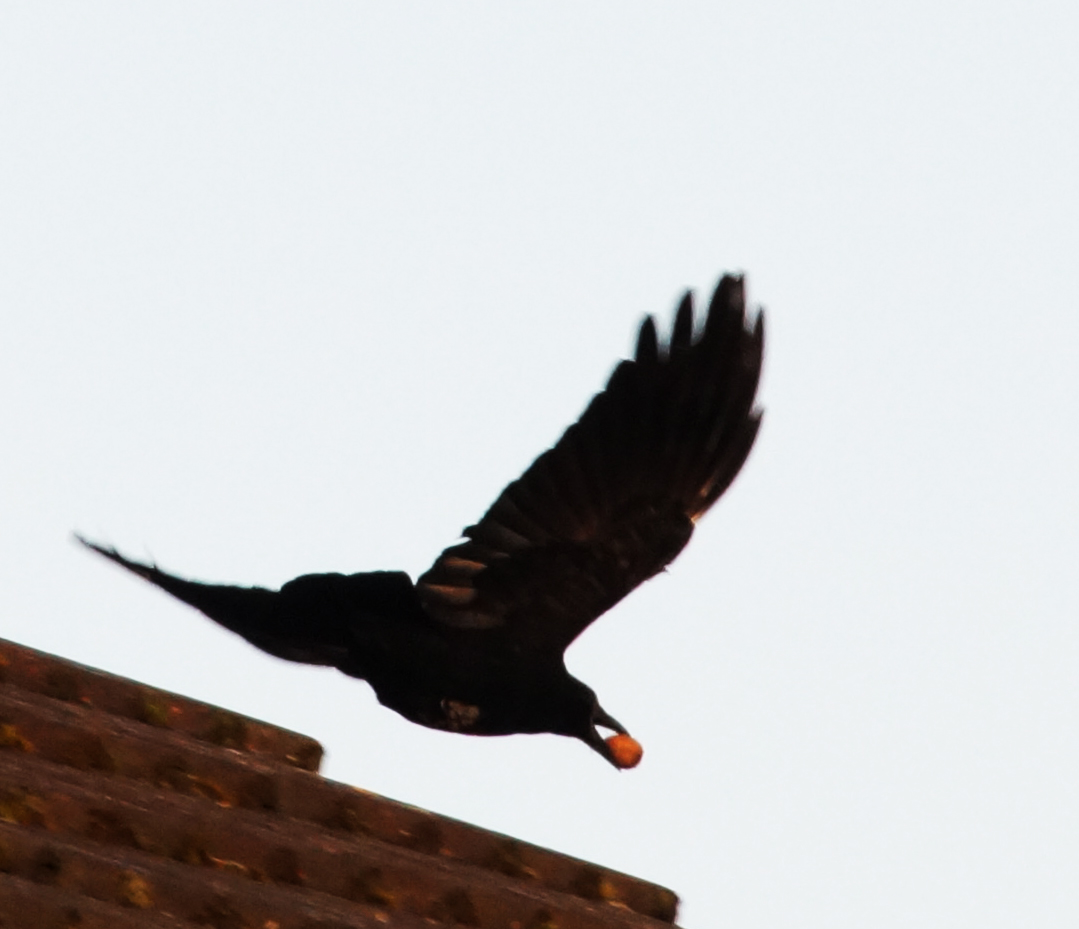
476 644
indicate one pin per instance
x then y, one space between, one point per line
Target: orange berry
625 749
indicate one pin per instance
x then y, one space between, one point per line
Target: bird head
579 715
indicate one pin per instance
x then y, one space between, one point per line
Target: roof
122 805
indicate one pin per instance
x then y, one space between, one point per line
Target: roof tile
116 797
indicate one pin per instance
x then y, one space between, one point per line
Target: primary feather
615 500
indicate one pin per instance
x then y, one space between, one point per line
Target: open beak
600 717
621 749
599 745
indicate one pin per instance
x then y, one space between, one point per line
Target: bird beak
600 717
600 746
621 750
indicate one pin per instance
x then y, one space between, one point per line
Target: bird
476 644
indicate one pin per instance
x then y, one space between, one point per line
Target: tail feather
252 612
236 608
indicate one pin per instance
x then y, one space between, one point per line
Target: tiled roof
125 806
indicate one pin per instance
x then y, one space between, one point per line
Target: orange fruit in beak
625 750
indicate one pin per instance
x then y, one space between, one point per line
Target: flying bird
476 644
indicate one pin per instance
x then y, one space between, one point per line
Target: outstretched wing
615 500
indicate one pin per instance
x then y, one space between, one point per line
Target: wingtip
758 326
730 292
682 331
647 343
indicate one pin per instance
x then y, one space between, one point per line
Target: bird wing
615 500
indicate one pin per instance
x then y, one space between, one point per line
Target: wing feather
615 499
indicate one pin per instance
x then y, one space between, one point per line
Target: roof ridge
81 761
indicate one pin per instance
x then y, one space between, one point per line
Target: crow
476 644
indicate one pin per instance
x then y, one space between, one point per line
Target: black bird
476 644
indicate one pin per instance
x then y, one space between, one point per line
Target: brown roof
122 805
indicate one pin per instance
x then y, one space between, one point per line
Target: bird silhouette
476 644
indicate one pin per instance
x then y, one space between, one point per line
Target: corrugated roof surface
122 805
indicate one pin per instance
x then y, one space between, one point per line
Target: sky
290 288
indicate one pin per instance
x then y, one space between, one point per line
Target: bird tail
243 610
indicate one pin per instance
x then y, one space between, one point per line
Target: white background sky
300 287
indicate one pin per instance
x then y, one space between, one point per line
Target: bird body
476 644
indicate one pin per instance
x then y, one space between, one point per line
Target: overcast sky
300 287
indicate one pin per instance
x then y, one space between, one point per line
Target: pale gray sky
301 287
